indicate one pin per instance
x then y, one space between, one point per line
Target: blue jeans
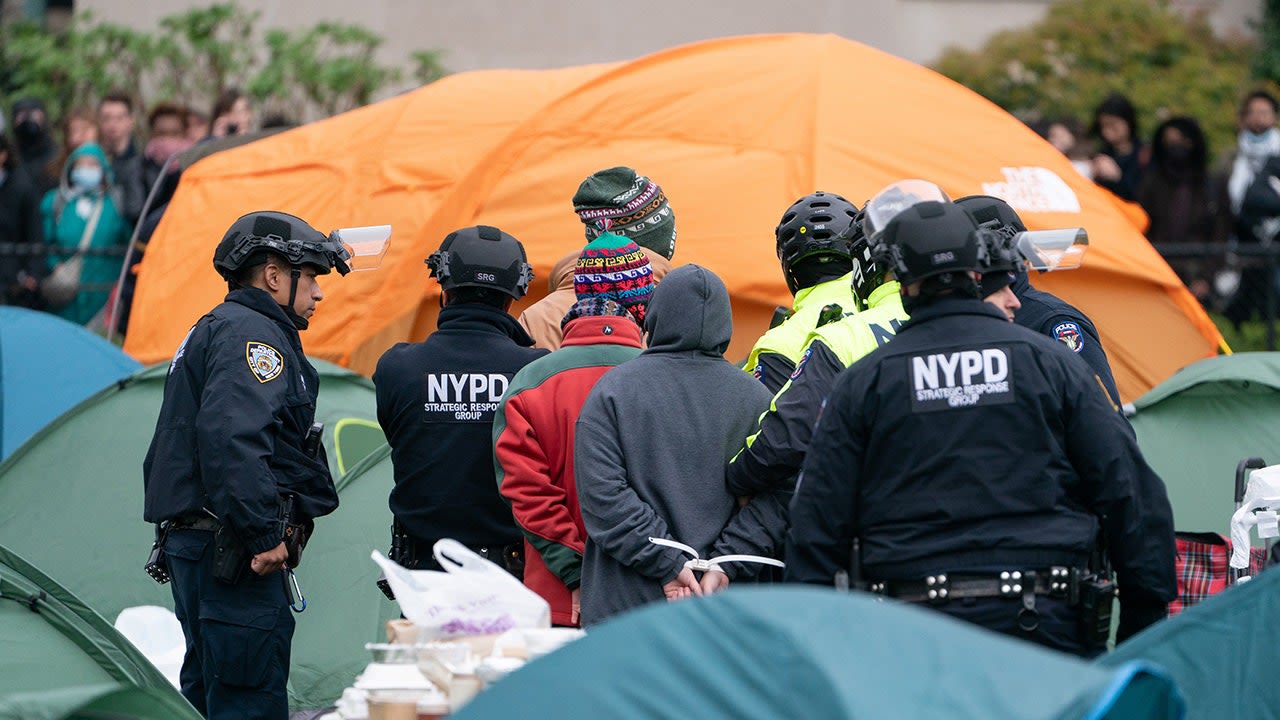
238 636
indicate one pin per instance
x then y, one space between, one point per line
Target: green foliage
1249 337
1166 62
331 65
1266 61
194 55
206 51
427 66
88 60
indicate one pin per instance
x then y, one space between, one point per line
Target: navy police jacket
436 402
1050 315
971 443
238 401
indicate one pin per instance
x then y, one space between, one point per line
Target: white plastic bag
474 596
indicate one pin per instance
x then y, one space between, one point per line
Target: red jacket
533 451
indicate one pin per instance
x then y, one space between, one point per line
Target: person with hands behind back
639 475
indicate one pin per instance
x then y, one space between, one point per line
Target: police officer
230 453
774 454
971 464
813 245
437 399
1044 312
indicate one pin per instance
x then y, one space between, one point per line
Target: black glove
1136 615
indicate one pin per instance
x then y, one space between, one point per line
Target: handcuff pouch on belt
157 564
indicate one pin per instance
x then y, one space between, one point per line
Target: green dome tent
1195 427
60 659
807 652
71 503
1222 653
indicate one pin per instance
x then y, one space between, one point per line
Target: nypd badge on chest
265 362
965 378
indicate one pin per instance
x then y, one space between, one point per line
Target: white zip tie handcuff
700 565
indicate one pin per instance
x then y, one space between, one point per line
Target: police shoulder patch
265 362
1069 334
804 360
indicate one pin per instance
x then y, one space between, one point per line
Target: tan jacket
542 319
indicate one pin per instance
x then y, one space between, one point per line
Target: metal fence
1236 280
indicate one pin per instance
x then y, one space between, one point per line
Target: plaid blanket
1203 568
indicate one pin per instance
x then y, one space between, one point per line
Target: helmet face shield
1048 250
363 248
894 199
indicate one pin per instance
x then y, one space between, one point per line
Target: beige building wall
552 33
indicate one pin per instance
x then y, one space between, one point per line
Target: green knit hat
619 201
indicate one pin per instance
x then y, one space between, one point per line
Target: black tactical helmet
482 257
931 239
252 236
992 213
816 225
998 223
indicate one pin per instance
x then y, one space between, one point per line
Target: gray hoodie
651 445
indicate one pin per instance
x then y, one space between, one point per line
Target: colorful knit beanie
619 201
596 306
615 268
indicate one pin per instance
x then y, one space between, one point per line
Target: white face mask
86 178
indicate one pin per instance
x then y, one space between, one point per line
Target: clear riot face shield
1043 250
894 199
1049 250
365 247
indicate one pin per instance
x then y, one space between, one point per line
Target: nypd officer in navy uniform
437 398
1041 311
229 448
971 464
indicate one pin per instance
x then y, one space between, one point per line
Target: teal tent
1195 427
71 504
47 366
60 658
1223 653
807 652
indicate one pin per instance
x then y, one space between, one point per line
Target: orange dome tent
733 129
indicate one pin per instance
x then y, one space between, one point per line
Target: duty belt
194 522
1057 581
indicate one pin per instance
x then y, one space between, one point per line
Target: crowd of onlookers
73 190
1187 198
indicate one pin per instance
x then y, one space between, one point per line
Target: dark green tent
71 504
807 652
1222 653
1195 427
59 657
